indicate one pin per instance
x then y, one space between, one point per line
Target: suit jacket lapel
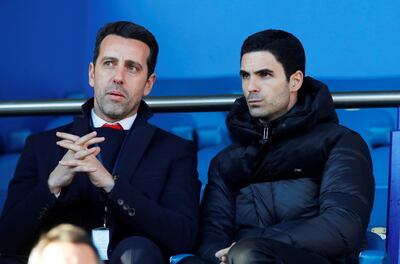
81 126
135 145
133 150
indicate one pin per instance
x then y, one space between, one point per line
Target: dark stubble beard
111 109
276 106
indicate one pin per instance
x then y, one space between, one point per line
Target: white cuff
57 194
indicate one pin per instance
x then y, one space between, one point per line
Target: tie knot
116 126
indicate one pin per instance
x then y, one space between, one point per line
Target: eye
264 74
244 75
132 68
108 63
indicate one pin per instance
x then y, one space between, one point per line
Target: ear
149 84
296 81
91 74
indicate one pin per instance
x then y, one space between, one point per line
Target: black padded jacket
301 179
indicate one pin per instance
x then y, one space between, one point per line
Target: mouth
254 99
254 103
115 95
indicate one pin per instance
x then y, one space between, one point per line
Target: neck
291 104
106 118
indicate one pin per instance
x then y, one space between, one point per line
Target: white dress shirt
126 123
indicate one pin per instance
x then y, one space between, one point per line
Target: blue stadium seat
374 125
63 120
380 159
211 129
180 124
58 121
208 136
16 140
205 129
374 257
175 259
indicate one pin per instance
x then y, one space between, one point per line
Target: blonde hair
62 233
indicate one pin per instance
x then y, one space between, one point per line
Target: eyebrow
128 62
241 72
264 71
108 58
257 72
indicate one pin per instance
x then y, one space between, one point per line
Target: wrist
53 189
57 194
109 187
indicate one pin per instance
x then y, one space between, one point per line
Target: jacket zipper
266 134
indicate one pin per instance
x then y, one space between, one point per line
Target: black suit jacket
156 194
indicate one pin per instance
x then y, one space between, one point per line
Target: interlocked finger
85 141
74 138
85 138
86 152
71 163
67 136
71 146
94 141
77 165
84 168
66 141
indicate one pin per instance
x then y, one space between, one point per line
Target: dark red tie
116 126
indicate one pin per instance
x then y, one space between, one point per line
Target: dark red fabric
116 126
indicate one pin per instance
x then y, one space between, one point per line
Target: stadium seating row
209 132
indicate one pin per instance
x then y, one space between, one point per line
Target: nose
119 76
252 86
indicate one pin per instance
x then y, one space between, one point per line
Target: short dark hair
132 31
286 48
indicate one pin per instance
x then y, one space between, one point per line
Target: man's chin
114 113
254 112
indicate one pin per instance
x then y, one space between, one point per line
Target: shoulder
228 162
350 138
233 150
337 135
348 144
48 137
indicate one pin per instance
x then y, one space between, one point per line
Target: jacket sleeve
27 202
217 216
172 220
346 200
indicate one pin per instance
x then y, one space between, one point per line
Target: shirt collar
126 123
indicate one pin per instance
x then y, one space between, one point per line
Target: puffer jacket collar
314 105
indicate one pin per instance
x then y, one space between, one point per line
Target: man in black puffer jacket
295 186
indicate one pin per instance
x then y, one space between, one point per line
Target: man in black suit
109 171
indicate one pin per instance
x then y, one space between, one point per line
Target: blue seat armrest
176 258
374 257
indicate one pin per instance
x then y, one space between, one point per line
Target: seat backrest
16 140
374 125
58 121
